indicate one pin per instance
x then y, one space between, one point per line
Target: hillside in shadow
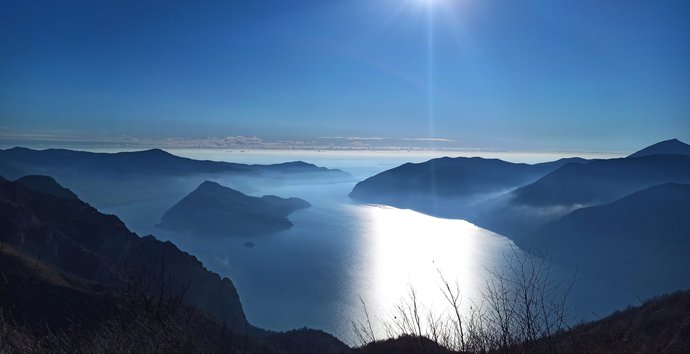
76 280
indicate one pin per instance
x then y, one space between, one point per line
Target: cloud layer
77 139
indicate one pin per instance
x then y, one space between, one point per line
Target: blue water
339 251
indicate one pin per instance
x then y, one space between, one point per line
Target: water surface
340 251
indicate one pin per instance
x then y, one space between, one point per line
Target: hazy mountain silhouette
645 236
671 146
602 181
153 161
46 184
213 209
516 199
109 179
422 186
573 186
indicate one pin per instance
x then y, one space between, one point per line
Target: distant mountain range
67 268
154 161
431 186
449 177
110 179
567 183
212 209
602 181
572 208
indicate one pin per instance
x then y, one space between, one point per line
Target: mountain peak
215 187
207 184
152 152
670 146
155 151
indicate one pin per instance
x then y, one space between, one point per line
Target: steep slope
217 210
45 310
424 185
75 238
645 236
602 181
671 146
75 280
46 185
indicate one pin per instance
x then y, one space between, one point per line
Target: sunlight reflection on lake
337 251
407 249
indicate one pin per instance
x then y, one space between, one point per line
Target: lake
340 251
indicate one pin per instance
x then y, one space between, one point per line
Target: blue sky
507 74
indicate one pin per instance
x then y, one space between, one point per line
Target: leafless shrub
521 303
364 330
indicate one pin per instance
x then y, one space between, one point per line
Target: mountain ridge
154 161
114 179
592 183
452 177
670 146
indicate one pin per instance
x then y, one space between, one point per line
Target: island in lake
212 209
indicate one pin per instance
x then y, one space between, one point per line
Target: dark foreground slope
660 325
75 280
407 344
75 238
213 209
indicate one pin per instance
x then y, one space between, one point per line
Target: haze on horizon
523 74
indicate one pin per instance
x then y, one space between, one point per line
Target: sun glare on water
409 250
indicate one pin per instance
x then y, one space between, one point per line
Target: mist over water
339 250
